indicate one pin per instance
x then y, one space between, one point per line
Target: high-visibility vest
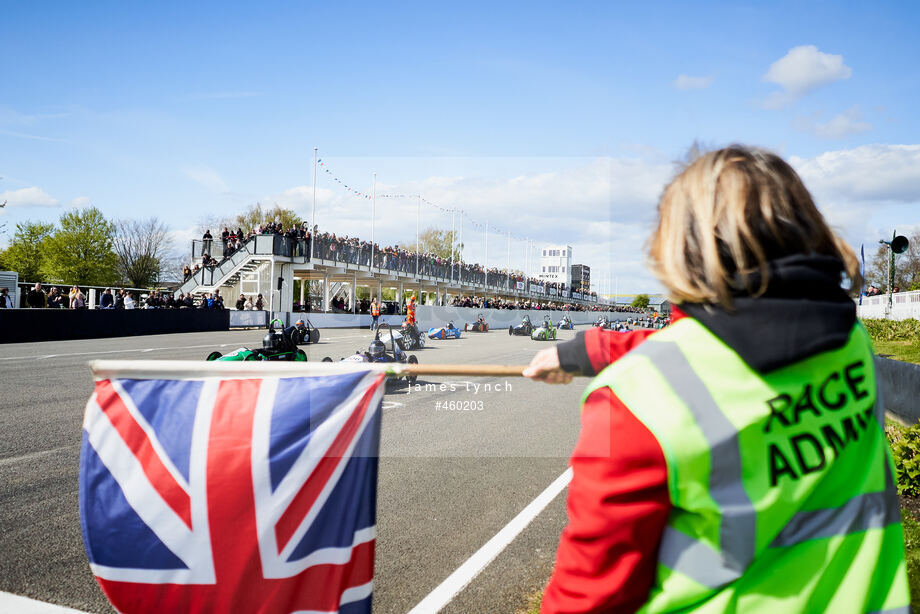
781 483
375 309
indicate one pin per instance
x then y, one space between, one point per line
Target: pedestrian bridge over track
269 265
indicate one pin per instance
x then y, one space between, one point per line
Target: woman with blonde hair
77 299
734 461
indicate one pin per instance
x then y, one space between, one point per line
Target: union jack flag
232 495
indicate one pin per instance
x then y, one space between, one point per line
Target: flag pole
418 240
198 369
313 214
373 217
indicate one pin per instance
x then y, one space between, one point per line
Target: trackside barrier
904 305
900 386
23 325
429 316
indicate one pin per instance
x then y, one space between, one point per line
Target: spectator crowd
55 298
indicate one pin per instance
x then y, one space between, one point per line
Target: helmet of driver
376 349
272 341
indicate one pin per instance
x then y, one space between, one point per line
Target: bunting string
322 164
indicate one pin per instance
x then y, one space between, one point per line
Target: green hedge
893 330
905 448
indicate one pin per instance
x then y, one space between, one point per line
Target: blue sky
559 122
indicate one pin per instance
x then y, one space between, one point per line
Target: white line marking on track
457 581
23 605
124 351
33 455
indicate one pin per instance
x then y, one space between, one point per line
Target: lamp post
897 245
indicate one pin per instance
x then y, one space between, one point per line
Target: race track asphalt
449 479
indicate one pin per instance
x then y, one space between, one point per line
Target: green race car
545 332
276 345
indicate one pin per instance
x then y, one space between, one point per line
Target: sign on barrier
248 319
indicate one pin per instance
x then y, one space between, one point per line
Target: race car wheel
214 356
412 361
485 328
466 327
327 359
314 336
300 356
511 330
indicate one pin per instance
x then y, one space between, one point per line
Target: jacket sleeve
618 507
592 350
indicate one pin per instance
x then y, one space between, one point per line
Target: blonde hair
726 216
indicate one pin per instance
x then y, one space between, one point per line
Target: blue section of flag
169 407
352 503
301 404
357 607
104 538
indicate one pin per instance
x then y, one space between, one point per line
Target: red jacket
618 501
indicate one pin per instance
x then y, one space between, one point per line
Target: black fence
23 325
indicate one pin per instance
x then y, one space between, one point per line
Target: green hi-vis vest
781 483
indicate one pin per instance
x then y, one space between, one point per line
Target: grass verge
906 351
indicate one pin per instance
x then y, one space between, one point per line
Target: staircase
228 272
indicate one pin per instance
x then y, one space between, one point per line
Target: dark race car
566 323
378 352
410 337
444 332
277 344
602 322
524 328
479 326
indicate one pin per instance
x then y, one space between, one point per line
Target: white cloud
80 202
800 71
207 177
869 173
686 82
28 197
227 95
840 126
603 207
867 191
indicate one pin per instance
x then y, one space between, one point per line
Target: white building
556 264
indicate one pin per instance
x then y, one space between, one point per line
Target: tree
81 250
641 301
906 266
256 215
142 247
26 252
437 242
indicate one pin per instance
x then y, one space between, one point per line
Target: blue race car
444 332
566 323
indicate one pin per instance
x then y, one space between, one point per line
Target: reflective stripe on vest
716 560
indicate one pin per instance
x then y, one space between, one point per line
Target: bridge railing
361 256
